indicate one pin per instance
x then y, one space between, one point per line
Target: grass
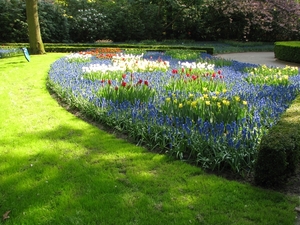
57 169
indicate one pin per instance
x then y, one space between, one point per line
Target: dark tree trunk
35 38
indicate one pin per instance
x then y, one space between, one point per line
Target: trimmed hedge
81 47
279 152
288 51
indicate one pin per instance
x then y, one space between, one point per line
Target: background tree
13 25
54 24
139 20
35 38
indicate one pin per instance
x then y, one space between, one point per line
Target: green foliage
208 107
288 51
262 75
133 29
53 22
270 169
243 20
184 21
128 92
88 25
218 62
184 54
135 51
279 151
13 25
278 157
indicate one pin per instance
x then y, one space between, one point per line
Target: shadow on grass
85 176
14 63
78 174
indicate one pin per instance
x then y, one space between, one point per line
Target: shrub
279 151
243 20
288 51
277 158
53 22
88 25
13 25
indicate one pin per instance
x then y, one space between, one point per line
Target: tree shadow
86 176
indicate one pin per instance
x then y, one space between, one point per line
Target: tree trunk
35 38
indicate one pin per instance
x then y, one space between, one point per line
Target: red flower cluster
194 76
174 71
103 53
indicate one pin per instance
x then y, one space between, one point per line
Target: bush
13 25
89 21
14 28
54 25
279 151
243 20
288 51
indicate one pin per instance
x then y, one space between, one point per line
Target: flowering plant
79 57
6 51
103 53
132 91
210 114
262 75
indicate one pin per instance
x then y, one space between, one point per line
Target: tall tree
35 38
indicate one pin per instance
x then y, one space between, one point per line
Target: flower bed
8 52
194 110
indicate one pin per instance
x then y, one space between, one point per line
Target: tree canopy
136 20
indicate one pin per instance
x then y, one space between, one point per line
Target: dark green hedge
279 152
288 51
81 47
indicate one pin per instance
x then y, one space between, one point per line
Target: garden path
267 58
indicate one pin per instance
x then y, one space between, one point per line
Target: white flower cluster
101 68
78 57
129 63
126 57
194 65
135 63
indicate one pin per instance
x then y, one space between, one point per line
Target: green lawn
57 169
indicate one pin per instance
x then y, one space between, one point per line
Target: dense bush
89 21
279 151
288 51
88 25
53 22
14 28
251 20
13 25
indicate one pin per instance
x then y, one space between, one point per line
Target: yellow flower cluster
204 100
271 76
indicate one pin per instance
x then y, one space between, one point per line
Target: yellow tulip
193 104
237 98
